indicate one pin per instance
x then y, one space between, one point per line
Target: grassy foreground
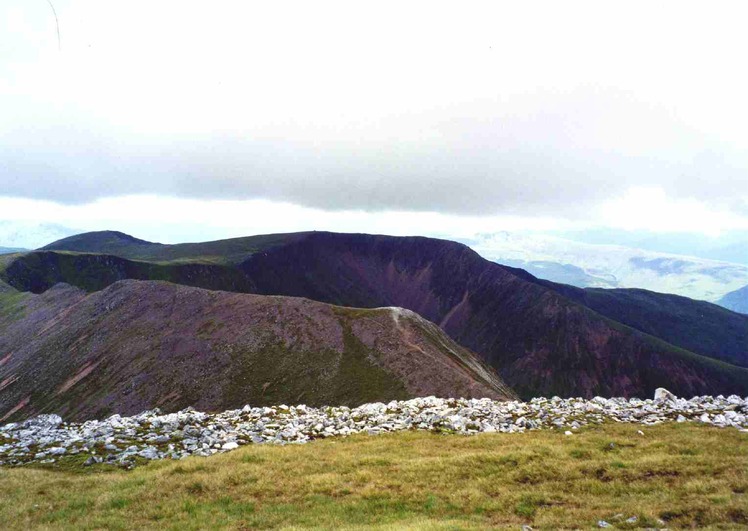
685 475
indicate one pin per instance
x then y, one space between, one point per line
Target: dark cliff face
540 341
425 275
544 338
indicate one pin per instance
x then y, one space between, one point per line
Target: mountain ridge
69 353
736 301
539 339
666 316
229 251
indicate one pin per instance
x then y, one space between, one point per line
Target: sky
187 121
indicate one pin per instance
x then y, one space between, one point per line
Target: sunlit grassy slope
683 475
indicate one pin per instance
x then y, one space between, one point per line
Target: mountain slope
37 271
231 251
106 241
544 339
137 345
736 301
697 326
541 342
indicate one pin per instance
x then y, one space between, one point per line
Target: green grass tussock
676 475
11 305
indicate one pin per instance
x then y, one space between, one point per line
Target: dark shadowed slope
137 345
544 338
541 342
699 326
736 301
38 271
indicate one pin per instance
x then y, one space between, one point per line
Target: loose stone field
125 441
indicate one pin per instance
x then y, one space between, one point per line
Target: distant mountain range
612 266
11 250
736 301
543 338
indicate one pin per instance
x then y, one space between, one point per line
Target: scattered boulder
156 435
663 394
42 421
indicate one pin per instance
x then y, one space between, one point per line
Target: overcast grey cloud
482 108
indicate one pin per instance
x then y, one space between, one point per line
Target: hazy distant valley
615 266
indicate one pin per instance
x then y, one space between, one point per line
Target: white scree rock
663 394
152 434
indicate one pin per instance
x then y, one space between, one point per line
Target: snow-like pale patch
398 312
154 435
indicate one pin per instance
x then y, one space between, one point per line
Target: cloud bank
486 109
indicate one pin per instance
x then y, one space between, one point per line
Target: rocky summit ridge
123 441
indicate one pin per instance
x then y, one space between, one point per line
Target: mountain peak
97 241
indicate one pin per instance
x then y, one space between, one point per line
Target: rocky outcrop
154 435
